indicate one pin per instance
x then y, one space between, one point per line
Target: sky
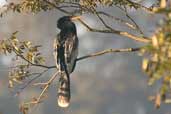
2 2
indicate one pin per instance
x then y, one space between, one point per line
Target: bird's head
66 21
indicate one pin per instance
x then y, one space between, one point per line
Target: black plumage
65 53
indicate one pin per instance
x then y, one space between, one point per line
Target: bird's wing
64 82
56 47
65 54
71 52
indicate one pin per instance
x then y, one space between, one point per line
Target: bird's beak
75 18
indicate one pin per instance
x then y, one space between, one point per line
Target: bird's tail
64 90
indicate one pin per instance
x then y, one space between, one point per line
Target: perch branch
89 55
108 51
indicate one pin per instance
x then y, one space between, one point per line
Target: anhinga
65 53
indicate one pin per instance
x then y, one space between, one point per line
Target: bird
65 54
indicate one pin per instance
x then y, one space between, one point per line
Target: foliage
24 50
157 63
36 6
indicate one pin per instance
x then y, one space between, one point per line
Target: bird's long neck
68 30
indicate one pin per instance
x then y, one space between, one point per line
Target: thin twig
30 81
33 64
150 10
108 51
93 10
101 19
122 33
46 86
132 20
58 8
68 6
117 19
39 84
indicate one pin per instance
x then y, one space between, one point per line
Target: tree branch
46 86
30 81
132 20
150 10
108 51
101 19
86 56
122 33
33 64
117 19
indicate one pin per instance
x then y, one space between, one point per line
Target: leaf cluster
24 50
157 63
36 6
33 6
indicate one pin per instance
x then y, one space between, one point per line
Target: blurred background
110 84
